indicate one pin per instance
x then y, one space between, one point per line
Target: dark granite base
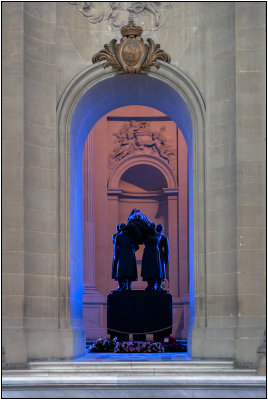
139 312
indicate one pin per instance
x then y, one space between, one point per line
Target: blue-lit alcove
107 95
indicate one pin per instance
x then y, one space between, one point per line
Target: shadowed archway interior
143 178
134 157
105 96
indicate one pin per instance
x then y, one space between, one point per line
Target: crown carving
131 55
131 29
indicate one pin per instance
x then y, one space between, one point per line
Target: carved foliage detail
131 55
108 54
154 54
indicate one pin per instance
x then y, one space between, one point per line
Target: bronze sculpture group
139 230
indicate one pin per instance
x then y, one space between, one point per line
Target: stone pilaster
251 178
13 250
93 300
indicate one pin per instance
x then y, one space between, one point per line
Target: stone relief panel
149 14
138 137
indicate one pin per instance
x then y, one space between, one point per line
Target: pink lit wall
140 186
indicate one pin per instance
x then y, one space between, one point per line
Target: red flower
168 340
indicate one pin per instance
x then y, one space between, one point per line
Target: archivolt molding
76 88
93 74
184 85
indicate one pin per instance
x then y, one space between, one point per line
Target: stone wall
222 47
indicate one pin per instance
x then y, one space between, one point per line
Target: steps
136 368
133 379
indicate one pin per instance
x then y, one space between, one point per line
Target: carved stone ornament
131 55
150 14
136 137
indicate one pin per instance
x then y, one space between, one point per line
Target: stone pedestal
261 371
15 348
261 364
4 363
139 312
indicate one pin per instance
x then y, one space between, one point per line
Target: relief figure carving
137 136
119 12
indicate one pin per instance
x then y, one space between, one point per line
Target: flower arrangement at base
103 345
172 346
175 348
138 347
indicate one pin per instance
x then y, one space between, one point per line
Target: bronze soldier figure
151 262
114 263
124 258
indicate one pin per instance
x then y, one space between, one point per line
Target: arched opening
86 99
142 178
120 157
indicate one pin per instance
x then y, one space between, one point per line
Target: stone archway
90 95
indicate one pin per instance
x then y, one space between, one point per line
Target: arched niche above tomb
146 168
142 178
